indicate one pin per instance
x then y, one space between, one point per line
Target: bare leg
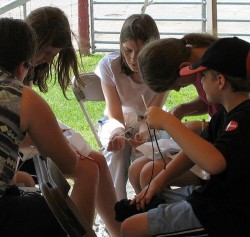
146 174
23 178
85 188
134 172
150 170
106 196
136 226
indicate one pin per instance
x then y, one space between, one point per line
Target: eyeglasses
28 65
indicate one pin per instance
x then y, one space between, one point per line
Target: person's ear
20 71
221 81
184 64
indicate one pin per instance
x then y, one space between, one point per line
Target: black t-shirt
223 203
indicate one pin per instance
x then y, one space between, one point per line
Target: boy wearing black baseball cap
221 206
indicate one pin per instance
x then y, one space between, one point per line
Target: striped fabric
10 134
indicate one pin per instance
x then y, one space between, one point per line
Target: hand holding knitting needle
117 141
153 116
139 138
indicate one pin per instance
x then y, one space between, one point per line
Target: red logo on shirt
231 126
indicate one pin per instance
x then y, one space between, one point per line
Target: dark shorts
26 216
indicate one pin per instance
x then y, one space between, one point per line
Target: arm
113 102
195 150
198 150
114 107
40 123
173 170
158 101
194 107
143 134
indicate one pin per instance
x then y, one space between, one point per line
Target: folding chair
91 91
55 188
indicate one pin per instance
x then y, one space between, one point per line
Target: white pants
119 162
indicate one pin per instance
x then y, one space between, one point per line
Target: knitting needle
144 102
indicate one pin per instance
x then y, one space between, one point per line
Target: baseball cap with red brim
229 56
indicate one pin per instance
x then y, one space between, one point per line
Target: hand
156 117
137 140
117 143
146 195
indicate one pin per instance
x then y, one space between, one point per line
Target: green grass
70 113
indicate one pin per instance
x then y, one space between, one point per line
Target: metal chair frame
91 91
55 189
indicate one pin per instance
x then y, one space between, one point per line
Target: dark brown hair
18 43
137 27
159 60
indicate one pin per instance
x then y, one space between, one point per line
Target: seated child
220 207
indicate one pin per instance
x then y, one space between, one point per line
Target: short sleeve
105 69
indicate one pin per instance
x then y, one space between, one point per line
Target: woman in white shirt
123 89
